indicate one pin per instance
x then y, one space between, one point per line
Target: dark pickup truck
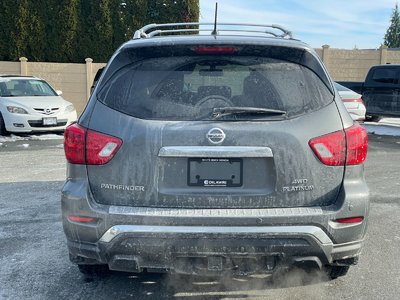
380 91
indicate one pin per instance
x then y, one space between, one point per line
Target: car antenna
214 32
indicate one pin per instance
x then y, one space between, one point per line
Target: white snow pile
42 137
387 126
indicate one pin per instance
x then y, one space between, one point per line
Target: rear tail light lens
330 149
100 148
350 220
85 146
357 144
74 144
348 147
358 100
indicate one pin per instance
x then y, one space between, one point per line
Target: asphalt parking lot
34 259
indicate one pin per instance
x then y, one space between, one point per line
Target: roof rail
151 30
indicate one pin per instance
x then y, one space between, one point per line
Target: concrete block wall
74 80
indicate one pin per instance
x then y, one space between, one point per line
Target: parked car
215 154
352 101
30 104
379 91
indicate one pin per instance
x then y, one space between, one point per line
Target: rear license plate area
215 172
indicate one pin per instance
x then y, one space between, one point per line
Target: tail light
85 146
339 148
357 100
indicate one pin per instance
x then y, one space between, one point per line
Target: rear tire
337 271
94 270
3 130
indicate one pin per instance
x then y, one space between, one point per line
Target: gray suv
211 154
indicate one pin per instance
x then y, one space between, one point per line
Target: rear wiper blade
219 112
8 96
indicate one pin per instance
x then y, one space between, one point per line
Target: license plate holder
215 172
49 121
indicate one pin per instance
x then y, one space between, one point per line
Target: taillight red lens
85 146
342 147
330 149
215 50
74 144
350 220
357 144
358 100
100 148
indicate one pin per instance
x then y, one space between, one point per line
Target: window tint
385 75
188 88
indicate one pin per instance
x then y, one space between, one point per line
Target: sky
342 24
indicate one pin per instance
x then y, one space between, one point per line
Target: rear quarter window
385 75
189 88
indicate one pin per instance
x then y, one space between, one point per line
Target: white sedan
352 101
30 104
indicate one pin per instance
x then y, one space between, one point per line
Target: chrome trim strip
214 151
215 212
312 231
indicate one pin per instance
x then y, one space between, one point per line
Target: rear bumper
203 241
206 250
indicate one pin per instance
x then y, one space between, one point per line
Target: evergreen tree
392 36
68 26
37 40
118 16
104 30
20 31
71 30
7 26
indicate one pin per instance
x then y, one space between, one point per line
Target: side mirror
59 93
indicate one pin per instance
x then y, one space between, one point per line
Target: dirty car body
214 154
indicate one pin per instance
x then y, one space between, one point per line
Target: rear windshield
385 75
191 88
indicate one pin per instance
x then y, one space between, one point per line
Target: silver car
215 154
352 101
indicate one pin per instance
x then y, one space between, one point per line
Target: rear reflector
215 50
81 219
339 148
350 220
85 146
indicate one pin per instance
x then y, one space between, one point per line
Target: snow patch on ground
382 130
391 121
386 126
41 137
